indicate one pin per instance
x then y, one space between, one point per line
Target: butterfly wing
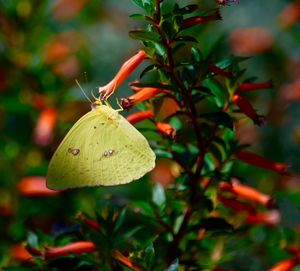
102 148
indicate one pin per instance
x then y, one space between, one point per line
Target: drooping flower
290 15
166 129
259 161
247 192
127 68
285 265
35 186
44 128
201 19
267 218
245 87
73 248
236 205
21 253
140 96
249 41
126 261
139 116
218 71
247 108
88 221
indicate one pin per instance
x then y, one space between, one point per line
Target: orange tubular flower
127 68
140 96
43 131
21 253
245 87
35 186
236 205
248 109
166 129
139 116
73 248
285 265
267 218
201 19
126 261
247 192
218 71
259 161
290 15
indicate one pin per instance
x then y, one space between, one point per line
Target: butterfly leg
120 106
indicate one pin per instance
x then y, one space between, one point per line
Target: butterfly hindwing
102 148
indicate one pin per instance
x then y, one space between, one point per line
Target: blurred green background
46 45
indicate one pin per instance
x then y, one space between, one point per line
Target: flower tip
260 120
126 103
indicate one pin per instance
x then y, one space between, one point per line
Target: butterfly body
102 148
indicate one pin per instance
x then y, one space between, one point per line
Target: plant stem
170 67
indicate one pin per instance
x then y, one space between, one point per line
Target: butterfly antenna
85 78
82 90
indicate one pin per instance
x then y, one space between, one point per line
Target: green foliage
201 208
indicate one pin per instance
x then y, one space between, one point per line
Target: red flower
290 15
247 192
218 71
267 218
73 248
285 265
249 41
21 253
236 205
245 87
89 222
127 68
139 116
140 96
201 19
44 128
166 129
259 161
35 186
247 109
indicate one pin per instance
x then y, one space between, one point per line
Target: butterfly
102 148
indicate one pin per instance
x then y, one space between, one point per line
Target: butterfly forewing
102 148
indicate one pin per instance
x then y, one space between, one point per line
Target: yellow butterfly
102 148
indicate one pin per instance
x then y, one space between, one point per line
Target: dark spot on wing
95 127
108 153
73 151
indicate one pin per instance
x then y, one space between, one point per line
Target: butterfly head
96 104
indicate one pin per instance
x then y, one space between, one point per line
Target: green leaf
150 68
120 220
220 118
174 266
220 92
149 254
138 16
184 10
33 239
186 39
147 5
144 35
163 153
158 195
